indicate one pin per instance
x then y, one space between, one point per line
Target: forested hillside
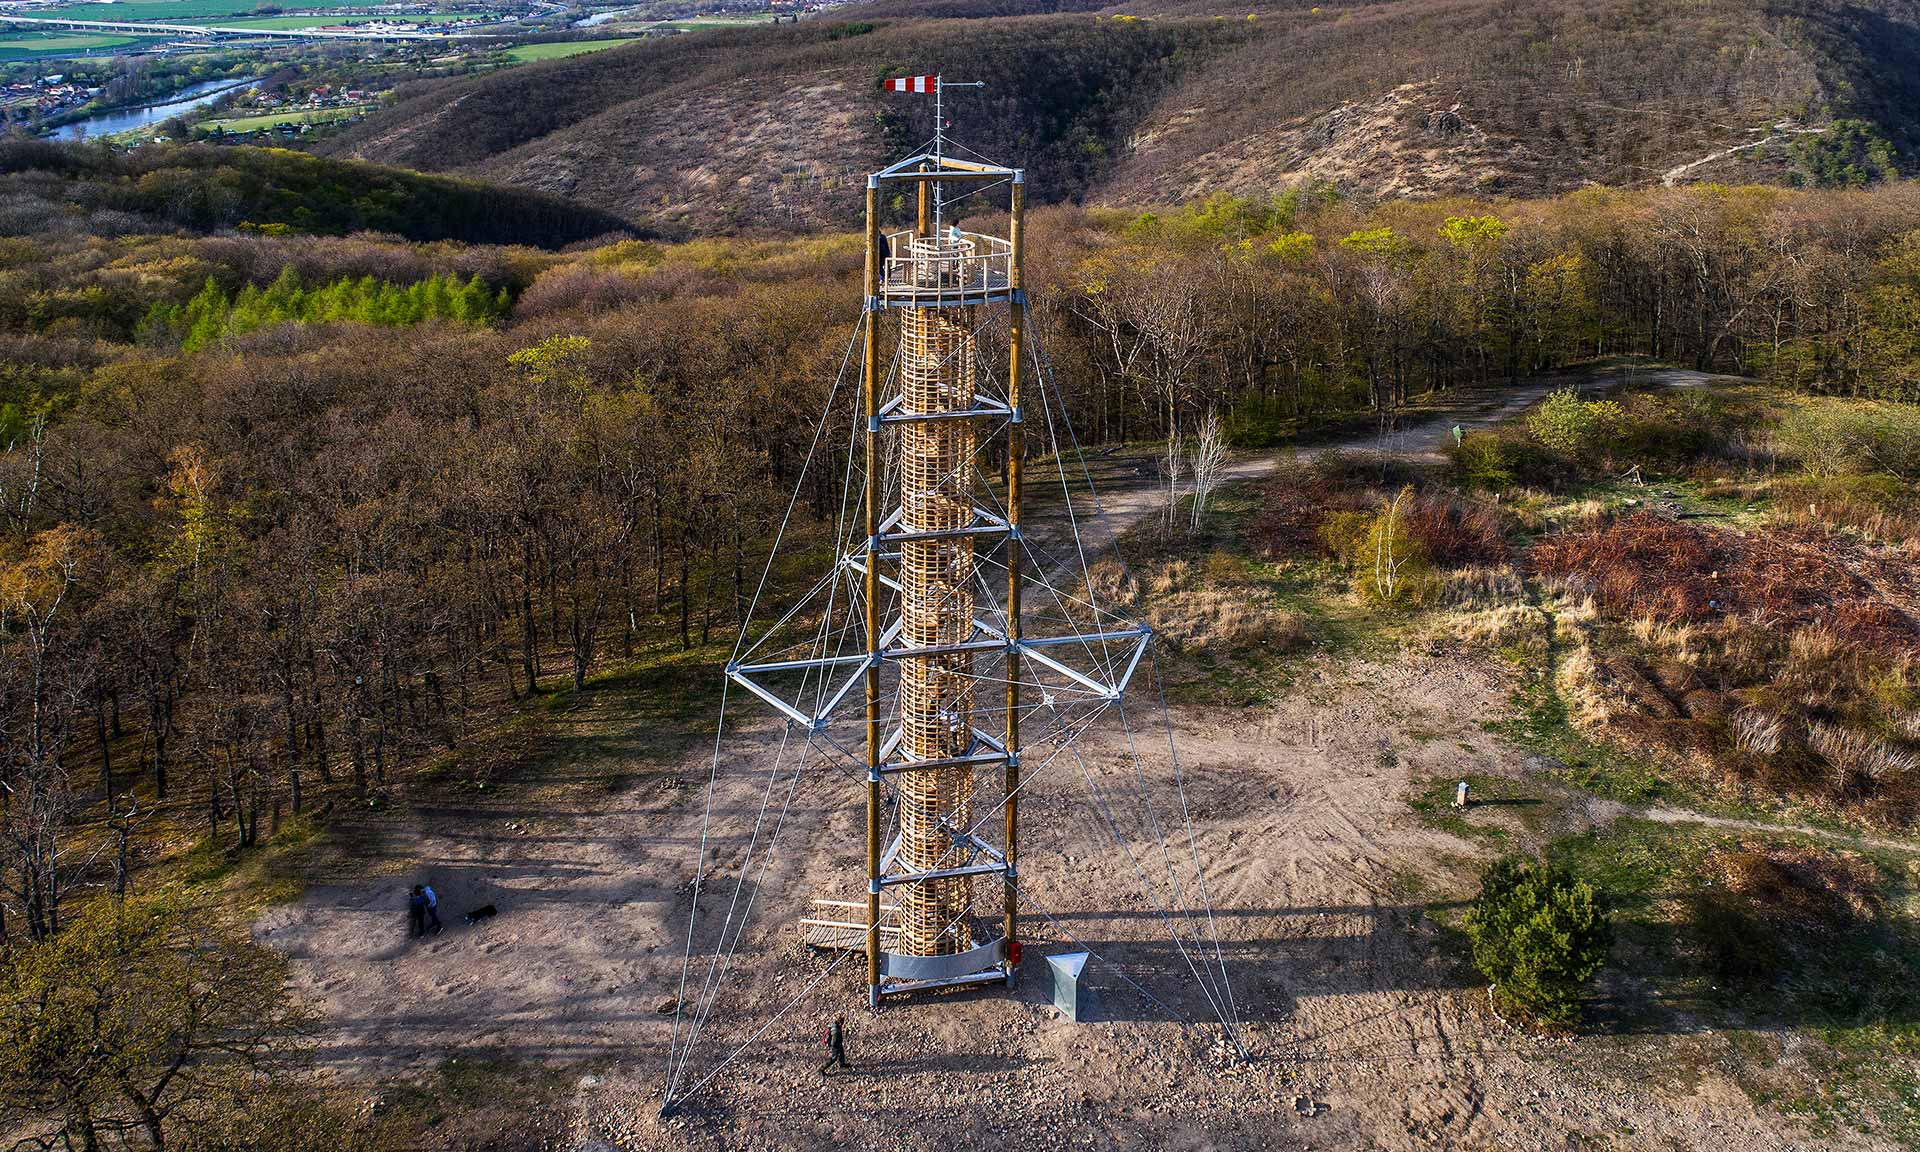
772 127
777 128
55 188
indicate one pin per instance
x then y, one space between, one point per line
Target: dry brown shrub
1869 620
1794 574
1667 572
1295 504
580 288
1455 532
1319 508
1641 565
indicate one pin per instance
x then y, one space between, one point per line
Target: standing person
417 912
433 908
837 1046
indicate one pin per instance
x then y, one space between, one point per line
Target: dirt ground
1363 1032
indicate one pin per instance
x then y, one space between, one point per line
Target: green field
292 116
696 23
527 52
26 45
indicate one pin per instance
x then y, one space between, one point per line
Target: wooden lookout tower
948 656
940 574
935 278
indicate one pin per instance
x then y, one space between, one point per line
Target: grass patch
1822 941
1540 724
1681 497
275 119
526 53
1324 619
648 709
1881 506
1636 861
1498 806
250 879
26 45
478 1102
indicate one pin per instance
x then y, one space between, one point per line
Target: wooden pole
870 403
923 226
1016 457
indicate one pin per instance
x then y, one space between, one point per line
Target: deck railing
951 266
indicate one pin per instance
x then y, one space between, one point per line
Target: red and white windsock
921 84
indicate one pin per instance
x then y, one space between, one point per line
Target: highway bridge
154 28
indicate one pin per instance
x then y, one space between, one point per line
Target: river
127 119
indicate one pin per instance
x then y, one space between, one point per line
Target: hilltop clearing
1366 1032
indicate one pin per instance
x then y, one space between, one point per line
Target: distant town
46 96
232 71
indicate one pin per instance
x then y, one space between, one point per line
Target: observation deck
951 269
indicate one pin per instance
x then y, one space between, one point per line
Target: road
149 28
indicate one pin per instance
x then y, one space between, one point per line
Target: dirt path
1777 132
1129 498
1662 814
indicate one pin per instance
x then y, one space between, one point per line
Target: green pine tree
1539 935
